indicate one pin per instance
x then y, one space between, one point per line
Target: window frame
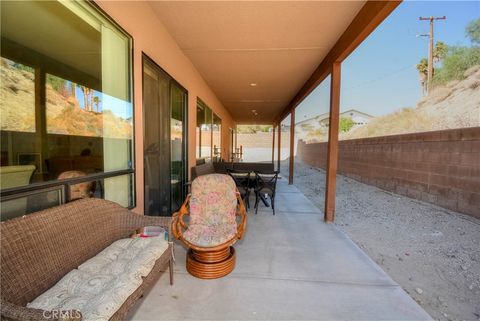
198 147
22 191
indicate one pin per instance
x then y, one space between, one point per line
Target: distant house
358 117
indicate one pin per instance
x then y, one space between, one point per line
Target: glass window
204 131
178 146
217 138
232 144
18 89
25 203
117 189
65 96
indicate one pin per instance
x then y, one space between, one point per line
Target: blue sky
118 107
380 75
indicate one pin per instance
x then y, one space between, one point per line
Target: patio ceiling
276 45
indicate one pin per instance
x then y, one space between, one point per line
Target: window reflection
204 131
26 203
178 159
217 137
65 96
17 103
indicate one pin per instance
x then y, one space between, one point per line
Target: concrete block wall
439 167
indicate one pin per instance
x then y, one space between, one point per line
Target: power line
430 47
368 82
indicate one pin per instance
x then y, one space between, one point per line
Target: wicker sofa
39 249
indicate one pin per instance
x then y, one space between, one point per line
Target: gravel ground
432 252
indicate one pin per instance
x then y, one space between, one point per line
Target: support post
279 151
292 145
332 156
211 139
273 144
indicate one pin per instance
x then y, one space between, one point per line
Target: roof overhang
266 56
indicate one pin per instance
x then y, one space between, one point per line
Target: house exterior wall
151 37
441 167
358 118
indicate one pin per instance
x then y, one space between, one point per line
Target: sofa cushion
100 286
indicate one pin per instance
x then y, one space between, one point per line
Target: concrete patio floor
291 266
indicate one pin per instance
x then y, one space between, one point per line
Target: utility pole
430 48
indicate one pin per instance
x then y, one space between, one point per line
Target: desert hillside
455 105
64 114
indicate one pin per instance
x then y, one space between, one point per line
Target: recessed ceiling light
253 84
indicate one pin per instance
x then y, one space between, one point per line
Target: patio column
273 144
332 154
279 151
292 146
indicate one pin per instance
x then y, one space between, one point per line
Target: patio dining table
252 184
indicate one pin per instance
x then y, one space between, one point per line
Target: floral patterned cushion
210 235
213 205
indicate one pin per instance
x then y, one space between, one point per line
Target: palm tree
96 101
440 51
86 98
73 89
422 68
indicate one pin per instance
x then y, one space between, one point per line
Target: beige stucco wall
151 37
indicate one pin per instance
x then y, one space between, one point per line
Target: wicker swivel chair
213 208
80 190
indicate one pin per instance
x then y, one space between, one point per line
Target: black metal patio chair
265 184
243 182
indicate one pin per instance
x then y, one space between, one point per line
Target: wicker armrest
177 220
10 311
138 220
242 213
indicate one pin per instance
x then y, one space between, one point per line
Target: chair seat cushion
100 286
210 235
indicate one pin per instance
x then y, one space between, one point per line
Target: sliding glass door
165 153
178 125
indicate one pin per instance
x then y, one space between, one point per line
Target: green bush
346 123
57 83
456 62
472 31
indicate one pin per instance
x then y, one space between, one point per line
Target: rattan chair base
211 265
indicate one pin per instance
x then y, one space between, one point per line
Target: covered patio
180 78
291 266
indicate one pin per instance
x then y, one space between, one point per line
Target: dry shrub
475 84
